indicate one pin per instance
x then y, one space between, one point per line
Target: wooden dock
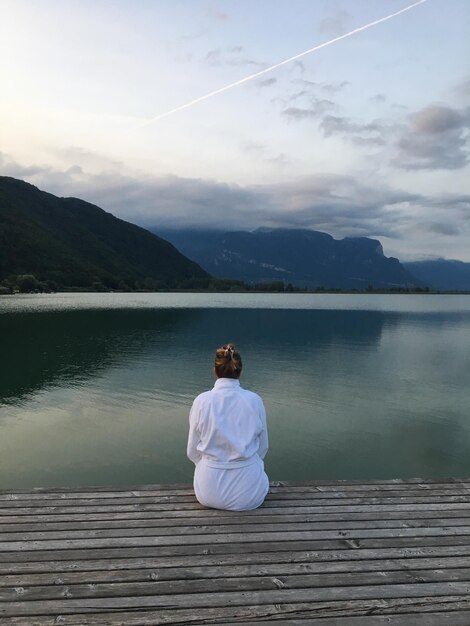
343 553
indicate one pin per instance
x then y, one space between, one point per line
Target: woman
228 440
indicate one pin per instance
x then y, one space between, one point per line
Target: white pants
237 489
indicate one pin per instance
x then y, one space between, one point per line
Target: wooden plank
117 488
231 548
196 510
377 481
301 490
427 619
230 560
149 529
369 487
317 493
163 490
211 516
327 550
274 483
295 522
142 518
306 497
111 495
432 607
83 503
231 584
152 570
232 538
279 506
224 599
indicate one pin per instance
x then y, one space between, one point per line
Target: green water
95 389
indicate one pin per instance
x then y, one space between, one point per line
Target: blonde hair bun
228 362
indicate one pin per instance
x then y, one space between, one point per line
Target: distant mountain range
442 274
69 243
47 242
304 258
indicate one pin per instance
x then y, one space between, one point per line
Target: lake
95 389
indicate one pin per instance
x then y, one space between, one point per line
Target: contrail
276 65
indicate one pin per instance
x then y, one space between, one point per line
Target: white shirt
227 426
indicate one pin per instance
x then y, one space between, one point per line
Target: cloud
337 204
441 228
463 90
336 25
217 14
371 133
454 206
9 167
309 102
261 151
268 82
305 83
87 159
341 205
310 86
314 111
213 57
417 153
310 92
298 65
334 88
254 147
289 99
303 93
280 160
379 98
436 137
436 119
230 56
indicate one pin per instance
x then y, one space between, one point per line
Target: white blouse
227 426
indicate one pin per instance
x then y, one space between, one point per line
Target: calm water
96 388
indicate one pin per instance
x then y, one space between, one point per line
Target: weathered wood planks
331 553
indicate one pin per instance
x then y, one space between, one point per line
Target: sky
369 136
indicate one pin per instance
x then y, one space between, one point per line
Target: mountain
304 258
442 274
75 244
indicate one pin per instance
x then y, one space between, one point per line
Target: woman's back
230 421
228 441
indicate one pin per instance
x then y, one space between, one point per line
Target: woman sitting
228 440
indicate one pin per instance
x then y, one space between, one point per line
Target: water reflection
102 396
70 347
